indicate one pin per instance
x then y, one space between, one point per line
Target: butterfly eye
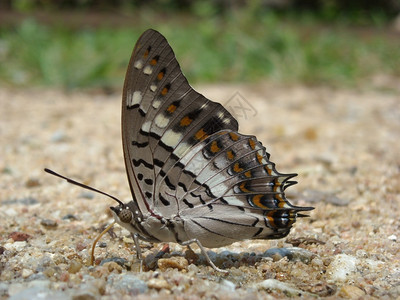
125 215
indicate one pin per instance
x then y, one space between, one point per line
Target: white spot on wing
161 121
181 149
135 99
153 87
233 201
220 190
148 70
171 138
146 126
156 103
138 64
196 165
187 156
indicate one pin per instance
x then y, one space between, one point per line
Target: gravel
343 143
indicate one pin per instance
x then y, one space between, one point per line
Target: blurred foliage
246 43
328 8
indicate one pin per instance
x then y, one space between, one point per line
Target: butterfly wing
185 158
235 192
162 118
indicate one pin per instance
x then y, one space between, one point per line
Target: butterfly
193 177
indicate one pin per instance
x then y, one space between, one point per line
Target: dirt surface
343 143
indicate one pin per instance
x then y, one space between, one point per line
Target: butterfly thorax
149 226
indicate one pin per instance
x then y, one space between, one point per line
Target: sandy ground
343 143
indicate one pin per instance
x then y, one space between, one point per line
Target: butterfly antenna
82 185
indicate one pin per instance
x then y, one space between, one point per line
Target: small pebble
292 253
361 253
127 282
64 277
86 195
59 136
193 268
39 293
323 289
69 217
341 267
273 284
317 262
49 223
26 273
16 246
87 291
50 272
23 201
32 182
19 236
102 244
80 246
74 266
351 292
277 253
3 289
176 262
150 261
118 260
112 266
158 284
10 212
228 285
392 238
300 254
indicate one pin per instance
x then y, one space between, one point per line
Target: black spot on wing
139 162
163 200
190 205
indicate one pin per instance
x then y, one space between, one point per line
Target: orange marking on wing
257 201
164 91
160 76
270 219
259 157
186 121
237 168
230 155
171 108
201 135
282 202
252 144
146 53
247 174
277 184
269 171
233 136
153 62
243 188
214 147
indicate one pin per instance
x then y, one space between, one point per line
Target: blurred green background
87 44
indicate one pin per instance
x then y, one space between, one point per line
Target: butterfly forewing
163 117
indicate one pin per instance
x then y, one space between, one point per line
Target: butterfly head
126 213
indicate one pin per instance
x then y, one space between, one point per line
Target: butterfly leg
97 239
138 249
187 243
